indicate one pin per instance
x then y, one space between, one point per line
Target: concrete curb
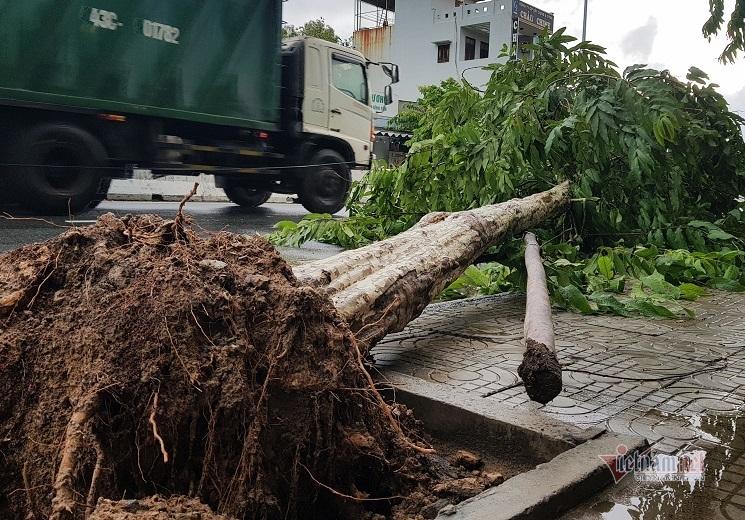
144 188
141 197
453 414
552 488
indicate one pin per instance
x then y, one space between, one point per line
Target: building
433 40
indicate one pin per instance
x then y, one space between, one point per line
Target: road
213 216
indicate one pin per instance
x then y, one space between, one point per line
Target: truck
91 90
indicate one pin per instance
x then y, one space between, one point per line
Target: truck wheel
66 179
325 189
244 196
103 191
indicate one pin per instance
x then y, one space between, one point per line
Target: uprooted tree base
138 358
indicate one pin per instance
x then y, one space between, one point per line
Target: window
470 48
484 50
349 77
443 52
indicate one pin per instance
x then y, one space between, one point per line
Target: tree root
30 501
90 502
178 222
63 502
384 406
154 425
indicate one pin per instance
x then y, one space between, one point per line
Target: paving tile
665 380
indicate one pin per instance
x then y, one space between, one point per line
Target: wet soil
541 372
139 358
154 508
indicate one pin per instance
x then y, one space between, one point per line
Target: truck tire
244 196
103 191
68 181
324 189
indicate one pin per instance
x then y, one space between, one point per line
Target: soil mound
138 358
154 508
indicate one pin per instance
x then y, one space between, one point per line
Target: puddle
664 493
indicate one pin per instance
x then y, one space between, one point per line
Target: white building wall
421 24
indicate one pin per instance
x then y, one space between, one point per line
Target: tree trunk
380 288
540 369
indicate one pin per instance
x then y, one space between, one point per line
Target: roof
325 43
389 5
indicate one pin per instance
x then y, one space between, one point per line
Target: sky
664 34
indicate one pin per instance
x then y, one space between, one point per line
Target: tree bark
540 369
380 288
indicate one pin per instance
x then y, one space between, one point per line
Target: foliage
410 118
735 28
481 280
317 28
617 280
653 160
327 229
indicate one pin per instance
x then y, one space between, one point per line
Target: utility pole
584 24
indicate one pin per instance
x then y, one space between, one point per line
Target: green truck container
92 89
184 59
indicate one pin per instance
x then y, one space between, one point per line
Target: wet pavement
680 384
213 216
718 495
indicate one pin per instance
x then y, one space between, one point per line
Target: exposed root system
140 359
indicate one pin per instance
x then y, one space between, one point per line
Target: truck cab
336 99
327 108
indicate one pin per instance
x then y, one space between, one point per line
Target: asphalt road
214 216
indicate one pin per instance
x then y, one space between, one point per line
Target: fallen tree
138 358
380 288
656 164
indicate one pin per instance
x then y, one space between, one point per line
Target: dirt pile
138 358
154 508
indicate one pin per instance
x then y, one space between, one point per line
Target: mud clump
139 358
541 372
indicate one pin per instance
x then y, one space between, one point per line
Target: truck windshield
349 77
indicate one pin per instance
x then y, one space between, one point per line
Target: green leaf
609 303
605 266
476 276
575 300
648 308
718 234
656 283
563 262
726 285
690 291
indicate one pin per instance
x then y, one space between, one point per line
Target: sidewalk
680 384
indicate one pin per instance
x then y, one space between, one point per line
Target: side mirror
391 70
388 94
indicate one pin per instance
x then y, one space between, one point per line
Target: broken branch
540 369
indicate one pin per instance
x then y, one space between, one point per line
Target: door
350 115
